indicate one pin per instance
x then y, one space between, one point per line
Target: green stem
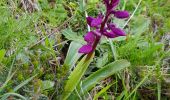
99 37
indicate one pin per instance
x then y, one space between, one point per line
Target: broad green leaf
23 83
81 6
103 73
101 61
72 54
76 75
70 35
141 24
2 54
47 85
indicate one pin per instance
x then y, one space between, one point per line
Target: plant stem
99 37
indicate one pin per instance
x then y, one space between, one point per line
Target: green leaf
141 24
81 6
101 61
2 54
103 73
76 75
47 84
70 35
72 54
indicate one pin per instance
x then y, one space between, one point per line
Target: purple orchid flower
103 27
120 14
86 49
111 4
94 22
89 37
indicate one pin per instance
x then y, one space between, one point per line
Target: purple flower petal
107 3
100 15
94 22
118 31
111 25
86 49
89 20
114 3
111 4
121 14
89 37
109 34
97 32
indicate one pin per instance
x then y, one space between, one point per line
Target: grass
37 54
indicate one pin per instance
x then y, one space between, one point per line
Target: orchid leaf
72 54
103 60
76 75
103 73
70 35
142 23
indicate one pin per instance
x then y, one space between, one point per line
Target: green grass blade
76 75
103 73
23 83
5 96
9 77
6 82
159 89
2 54
135 89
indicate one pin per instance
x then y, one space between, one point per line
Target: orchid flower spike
103 27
